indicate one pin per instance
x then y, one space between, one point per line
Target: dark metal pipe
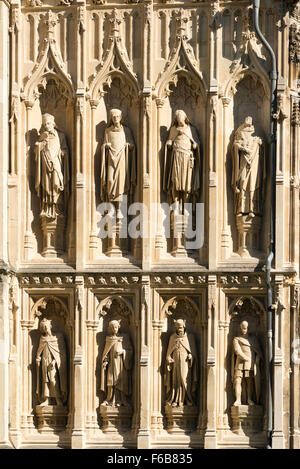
273 77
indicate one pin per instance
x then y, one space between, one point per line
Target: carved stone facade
154 340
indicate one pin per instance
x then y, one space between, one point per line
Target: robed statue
116 367
51 366
181 179
181 375
246 362
248 170
52 169
118 160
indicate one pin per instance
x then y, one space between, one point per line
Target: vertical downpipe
273 77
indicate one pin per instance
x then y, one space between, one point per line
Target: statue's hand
44 136
237 190
170 360
108 145
37 360
169 143
195 146
189 359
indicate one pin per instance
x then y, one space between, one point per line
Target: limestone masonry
136 218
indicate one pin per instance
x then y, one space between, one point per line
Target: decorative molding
49 65
182 280
115 62
181 61
181 305
294 43
112 280
46 280
116 306
215 15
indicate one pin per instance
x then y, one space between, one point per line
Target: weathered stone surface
151 102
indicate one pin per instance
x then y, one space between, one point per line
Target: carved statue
247 172
51 365
52 169
116 367
246 357
118 165
181 376
182 161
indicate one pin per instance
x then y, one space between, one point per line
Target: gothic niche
181 367
246 363
51 386
52 168
181 178
248 165
116 366
118 167
248 177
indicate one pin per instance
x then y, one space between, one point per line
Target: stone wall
77 61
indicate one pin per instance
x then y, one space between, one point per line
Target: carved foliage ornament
181 61
181 306
49 306
294 44
115 63
49 68
116 306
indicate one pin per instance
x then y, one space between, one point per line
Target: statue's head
114 326
180 326
45 326
246 126
48 122
115 117
244 327
180 118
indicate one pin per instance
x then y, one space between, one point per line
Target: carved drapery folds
118 177
51 387
48 91
181 366
162 103
181 178
116 363
248 182
248 382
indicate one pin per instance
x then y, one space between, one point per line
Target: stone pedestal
247 419
178 227
115 418
53 235
113 246
248 231
181 419
51 418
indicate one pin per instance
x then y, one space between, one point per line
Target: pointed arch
43 302
239 301
181 62
172 303
230 87
49 66
115 63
